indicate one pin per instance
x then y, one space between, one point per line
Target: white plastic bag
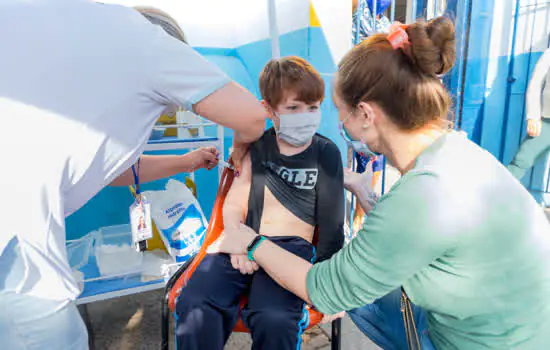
179 219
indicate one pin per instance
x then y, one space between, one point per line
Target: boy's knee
190 299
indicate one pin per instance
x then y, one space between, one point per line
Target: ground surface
132 323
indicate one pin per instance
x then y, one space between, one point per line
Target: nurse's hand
203 158
354 182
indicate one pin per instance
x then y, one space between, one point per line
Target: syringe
226 165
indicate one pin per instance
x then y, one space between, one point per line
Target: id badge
140 220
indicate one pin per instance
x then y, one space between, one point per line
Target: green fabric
467 242
530 150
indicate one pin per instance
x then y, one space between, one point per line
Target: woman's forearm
287 269
154 168
365 199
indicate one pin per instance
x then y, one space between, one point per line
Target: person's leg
31 323
207 309
276 317
382 322
530 150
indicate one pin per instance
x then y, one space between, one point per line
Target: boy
290 182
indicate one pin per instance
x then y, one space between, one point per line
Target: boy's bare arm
236 202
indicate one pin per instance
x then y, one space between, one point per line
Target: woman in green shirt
466 241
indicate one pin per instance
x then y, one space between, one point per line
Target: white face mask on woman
298 129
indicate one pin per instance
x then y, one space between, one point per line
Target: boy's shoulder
268 135
325 143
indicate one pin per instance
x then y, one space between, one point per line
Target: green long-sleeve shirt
467 242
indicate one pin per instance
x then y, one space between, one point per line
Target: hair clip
397 36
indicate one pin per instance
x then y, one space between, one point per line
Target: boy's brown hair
291 74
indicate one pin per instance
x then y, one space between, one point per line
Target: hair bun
433 45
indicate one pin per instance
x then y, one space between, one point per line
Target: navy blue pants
208 307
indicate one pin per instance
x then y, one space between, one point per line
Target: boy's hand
329 318
243 264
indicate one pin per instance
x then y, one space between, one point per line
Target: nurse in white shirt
82 86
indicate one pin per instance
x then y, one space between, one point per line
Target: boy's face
290 105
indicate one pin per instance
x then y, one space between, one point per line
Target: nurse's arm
236 108
403 235
153 168
181 76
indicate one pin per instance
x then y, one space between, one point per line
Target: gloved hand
355 182
534 127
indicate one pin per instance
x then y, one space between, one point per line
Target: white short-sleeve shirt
81 86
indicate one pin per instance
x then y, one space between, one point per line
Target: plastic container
78 250
78 254
115 253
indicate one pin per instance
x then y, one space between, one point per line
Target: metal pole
511 80
392 16
373 12
273 29
360 12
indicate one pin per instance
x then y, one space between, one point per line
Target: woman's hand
354 181
534 127
205 157
329 318
233 240
243 264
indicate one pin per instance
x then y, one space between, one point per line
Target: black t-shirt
309 184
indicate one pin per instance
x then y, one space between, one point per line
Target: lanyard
136 176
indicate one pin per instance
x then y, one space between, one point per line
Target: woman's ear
367 113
